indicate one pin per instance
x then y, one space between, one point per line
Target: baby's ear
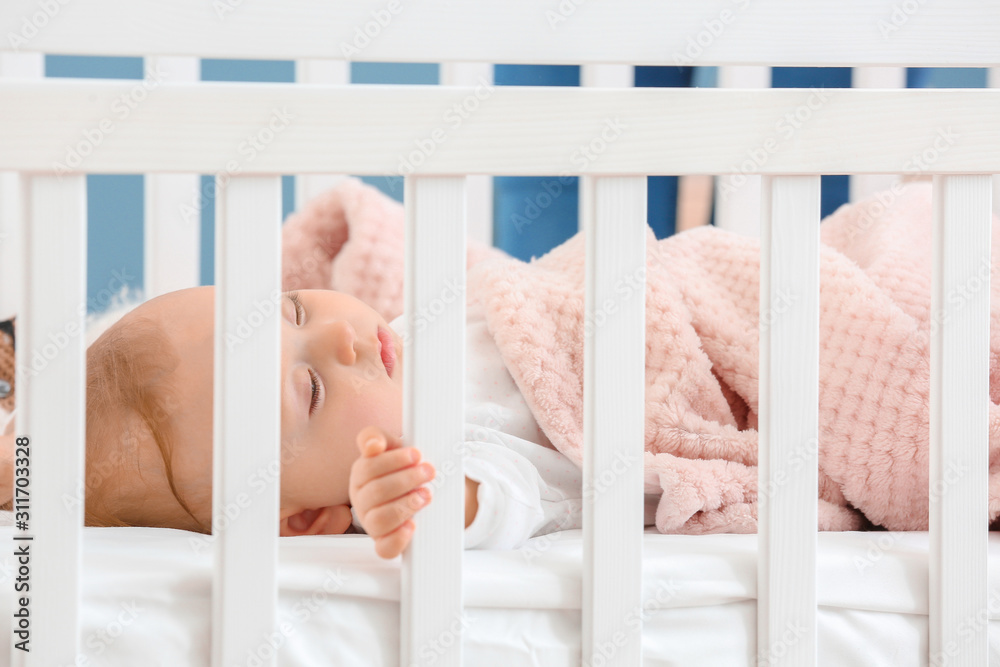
334 520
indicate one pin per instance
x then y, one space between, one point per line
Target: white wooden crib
183 127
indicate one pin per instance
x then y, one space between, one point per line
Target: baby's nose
343 336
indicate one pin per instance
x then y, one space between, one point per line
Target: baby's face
341 370
334 382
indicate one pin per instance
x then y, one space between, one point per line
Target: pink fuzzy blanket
702 350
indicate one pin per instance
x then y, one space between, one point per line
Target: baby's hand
385 489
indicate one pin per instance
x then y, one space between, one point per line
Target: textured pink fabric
350 239
702 333
702 339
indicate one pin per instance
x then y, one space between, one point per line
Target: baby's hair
128 396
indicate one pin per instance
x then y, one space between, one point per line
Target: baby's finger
396 484
372 441
382 520
368 468
395 543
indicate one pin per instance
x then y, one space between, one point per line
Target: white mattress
146 600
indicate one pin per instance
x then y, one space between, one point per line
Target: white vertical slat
789 413
607 76
614 220
336 72
478 187
50 381
993 81
959 421
431 614
172 202
13 66
865 185
247 427
737 196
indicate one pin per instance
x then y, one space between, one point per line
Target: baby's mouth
387 350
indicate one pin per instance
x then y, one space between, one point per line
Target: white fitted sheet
146 600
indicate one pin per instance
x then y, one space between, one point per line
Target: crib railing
195 128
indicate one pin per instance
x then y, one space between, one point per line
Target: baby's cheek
382 407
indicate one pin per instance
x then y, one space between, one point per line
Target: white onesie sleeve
525 490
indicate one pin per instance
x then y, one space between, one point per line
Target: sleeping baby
149 428
149 382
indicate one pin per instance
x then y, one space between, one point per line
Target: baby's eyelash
299 309
315 391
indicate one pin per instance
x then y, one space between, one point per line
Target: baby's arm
386 490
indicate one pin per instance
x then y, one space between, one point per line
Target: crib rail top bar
640 32
149 126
